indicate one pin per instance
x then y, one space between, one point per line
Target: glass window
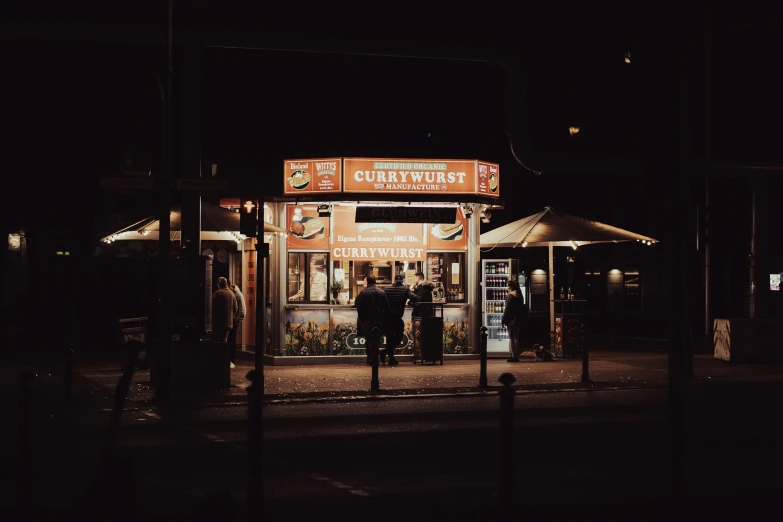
307 277
447 271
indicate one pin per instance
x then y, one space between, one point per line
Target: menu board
306 229
313 175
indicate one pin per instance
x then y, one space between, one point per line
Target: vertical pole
551 298
255 488
752 256
190 138
506 492
707 157
373 341
483 355
680 250
162 359
25 462
261 255
255 392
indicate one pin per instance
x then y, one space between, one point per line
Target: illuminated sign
405 176
313 175
395 176
390 241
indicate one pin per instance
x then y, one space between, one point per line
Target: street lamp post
163 349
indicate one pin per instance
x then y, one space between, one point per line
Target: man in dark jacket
423 290
514 318
398 294
372 307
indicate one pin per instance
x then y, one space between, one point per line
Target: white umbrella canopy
551 228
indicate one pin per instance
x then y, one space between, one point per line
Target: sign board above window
390 175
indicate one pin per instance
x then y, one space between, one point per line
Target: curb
400 394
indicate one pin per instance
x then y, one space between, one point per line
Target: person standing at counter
398 294
372 308
514 317
423 291
318 284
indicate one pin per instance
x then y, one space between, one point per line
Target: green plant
337 285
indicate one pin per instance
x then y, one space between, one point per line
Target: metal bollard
255 488
25 462
506 493
68 377
372 345
483 355
585 357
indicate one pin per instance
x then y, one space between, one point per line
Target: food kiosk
348 217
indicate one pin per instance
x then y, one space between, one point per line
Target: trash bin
428 334
134 336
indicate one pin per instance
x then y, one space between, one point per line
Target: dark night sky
73 108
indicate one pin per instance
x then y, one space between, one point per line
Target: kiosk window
307 277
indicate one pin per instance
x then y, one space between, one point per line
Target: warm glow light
524 244
573 131
574 245
628 57
249 205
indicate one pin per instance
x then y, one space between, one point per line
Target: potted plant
337 285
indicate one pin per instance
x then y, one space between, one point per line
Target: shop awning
217 223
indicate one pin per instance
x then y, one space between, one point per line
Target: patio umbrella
551 228
217 223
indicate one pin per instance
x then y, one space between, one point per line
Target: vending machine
495 274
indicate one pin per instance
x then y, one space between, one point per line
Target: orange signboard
392 175
405 176
488 183
306 230
379 241
448 236
313 175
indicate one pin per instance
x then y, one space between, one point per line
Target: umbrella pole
551 298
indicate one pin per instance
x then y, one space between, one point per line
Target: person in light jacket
224 305
239 314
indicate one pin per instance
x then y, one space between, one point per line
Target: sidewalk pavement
607 370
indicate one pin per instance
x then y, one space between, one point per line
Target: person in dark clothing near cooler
398 294
372 307
514 318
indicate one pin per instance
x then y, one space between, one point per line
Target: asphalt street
407 457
